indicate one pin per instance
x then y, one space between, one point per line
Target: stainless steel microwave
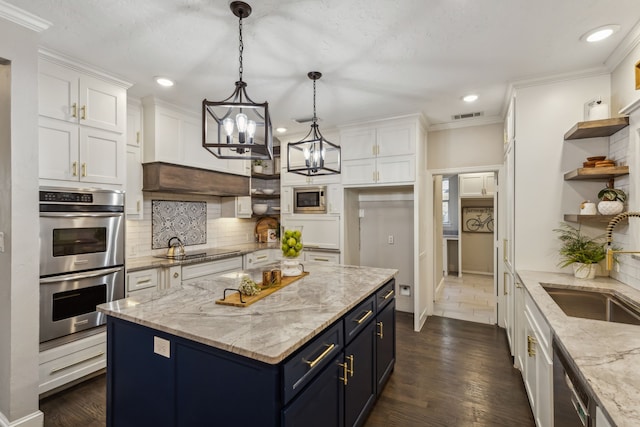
310 200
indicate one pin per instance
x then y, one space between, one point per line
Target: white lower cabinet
601 419
258 258
330 257
538 364
205 270
142 281
236 207
69 362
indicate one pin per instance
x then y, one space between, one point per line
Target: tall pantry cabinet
82 120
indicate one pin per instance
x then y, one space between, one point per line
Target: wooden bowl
590 164
596 158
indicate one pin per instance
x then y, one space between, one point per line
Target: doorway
465 230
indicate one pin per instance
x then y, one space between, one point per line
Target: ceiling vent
467 115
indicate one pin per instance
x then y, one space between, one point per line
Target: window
445 201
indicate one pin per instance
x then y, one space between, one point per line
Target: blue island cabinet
156 378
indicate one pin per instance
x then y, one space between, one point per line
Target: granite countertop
211 254
607 354
270 329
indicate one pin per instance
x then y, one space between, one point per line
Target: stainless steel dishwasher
572 405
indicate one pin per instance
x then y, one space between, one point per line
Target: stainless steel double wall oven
81 258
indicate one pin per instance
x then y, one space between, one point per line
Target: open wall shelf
596 128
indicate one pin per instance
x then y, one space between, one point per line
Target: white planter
584 271
607 207
257 169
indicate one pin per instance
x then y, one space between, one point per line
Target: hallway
470 297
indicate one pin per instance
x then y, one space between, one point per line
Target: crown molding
560 77
22 17
631 40
464 123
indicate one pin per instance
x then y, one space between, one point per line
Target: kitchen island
316 352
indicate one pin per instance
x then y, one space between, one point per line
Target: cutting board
263 225
234 298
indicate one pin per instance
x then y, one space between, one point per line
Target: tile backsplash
184 220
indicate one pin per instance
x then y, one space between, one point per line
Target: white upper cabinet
381 153
81 126
174 135
134 196
477 184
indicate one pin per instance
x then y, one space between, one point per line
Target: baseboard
483 273
35 419
439 289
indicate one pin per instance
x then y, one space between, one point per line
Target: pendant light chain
314 102
241 48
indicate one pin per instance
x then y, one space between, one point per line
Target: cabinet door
321 404
360 391
317 231
133 194
102 105
396 169
102 159
244 207
359 171
358 143
529 374
385 344
57 92
471 185
286 200
134 125
143 279
335 199
58 150
508 312
396 140
489 184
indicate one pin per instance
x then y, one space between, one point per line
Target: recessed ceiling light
470 98
281 130
600 33
163 81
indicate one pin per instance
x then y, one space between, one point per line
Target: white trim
22 17
34 419
560 77
630 108
463 123
74 64
624 48
421 119
466 169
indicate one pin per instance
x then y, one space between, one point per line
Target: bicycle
475 224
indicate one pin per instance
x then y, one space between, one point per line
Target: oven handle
80 214
80 276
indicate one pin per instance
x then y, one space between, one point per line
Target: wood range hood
172 178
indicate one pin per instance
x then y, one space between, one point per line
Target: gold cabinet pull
389 294
74 168
350 358
74 109
505 245
84 169
363 318
345 373
83 109
504 283
317 360
381 333
531 345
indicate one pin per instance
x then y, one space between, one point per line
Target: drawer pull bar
143 281
345 371
389 294
62 368
363 318
317 360
350 371
381 333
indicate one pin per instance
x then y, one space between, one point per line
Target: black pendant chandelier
237 127
314 155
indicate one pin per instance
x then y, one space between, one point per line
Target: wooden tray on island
234 298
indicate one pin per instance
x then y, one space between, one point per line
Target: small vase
292 255
610 207
257 168
584 271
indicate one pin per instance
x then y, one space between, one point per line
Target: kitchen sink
597 305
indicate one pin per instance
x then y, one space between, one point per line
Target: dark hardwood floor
452 373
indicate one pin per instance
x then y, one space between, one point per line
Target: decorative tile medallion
185 220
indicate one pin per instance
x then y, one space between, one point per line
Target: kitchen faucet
614 221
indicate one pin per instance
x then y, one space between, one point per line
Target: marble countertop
270 329
607 354
212 254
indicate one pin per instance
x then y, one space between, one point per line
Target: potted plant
581 251
611 201
258 165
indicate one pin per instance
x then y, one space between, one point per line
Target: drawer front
359 317
385 294
258 258
322 257
311 359
212 267
142 280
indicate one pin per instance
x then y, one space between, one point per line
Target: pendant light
237 127
314 155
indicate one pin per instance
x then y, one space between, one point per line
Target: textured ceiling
379 58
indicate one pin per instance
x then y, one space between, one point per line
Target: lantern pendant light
314 155
237 127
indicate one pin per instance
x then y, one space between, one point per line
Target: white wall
477 248
623 85
465 147
19 286
543 114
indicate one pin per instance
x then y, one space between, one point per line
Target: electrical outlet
390 239
162 347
